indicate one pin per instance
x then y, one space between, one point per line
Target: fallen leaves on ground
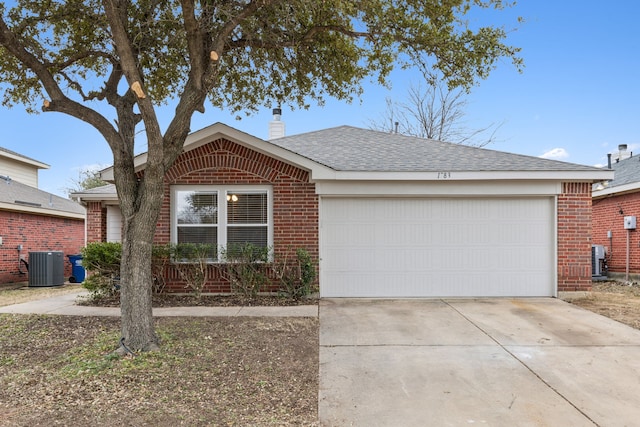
60 370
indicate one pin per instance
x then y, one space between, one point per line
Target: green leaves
284 52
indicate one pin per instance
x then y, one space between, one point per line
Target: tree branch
116 11
59 102
291 41
195 43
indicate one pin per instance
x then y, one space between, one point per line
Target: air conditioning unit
597 260
46 268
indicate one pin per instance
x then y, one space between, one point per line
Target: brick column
574 237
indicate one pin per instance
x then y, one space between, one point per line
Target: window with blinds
247 218
222 216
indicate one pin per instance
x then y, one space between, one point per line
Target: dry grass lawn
60 371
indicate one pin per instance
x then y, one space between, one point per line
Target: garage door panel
437 247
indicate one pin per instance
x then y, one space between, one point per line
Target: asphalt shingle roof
347 148
16 193
627 171
103 189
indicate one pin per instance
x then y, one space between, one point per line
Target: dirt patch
615 300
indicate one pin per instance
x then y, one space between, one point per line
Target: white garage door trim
437 247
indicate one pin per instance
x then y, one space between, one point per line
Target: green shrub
160 259
103 257
192 262
245 267
296 276
102 262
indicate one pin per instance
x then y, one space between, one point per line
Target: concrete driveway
498 362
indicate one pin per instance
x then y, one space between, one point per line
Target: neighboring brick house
32 219
386 215
613 200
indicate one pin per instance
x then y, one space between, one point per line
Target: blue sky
577 99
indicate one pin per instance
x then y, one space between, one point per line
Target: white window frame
221 192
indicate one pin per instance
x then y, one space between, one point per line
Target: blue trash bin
77 270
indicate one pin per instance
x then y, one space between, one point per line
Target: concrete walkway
66 305
497 362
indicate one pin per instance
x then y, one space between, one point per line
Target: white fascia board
565 176
40 211
222 131
617 190
438 189
24 160
94 197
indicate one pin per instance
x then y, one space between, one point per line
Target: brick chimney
276 126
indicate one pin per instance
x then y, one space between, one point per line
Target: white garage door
388 247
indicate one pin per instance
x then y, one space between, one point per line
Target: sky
577 99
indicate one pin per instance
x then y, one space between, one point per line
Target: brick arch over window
223 154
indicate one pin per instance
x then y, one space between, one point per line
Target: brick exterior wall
607 217
96 222
221 162
574 237
36 233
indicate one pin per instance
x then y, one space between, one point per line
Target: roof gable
350 153
222 131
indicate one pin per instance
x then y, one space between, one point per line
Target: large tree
112 63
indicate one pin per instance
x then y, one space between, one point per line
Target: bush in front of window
161 258
246 268
296 274
191 260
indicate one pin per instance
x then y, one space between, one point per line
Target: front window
222 216
247 218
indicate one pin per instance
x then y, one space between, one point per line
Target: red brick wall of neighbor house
607 217
574 237
295 204
36 233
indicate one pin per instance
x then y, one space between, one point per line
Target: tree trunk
140 207
136 284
